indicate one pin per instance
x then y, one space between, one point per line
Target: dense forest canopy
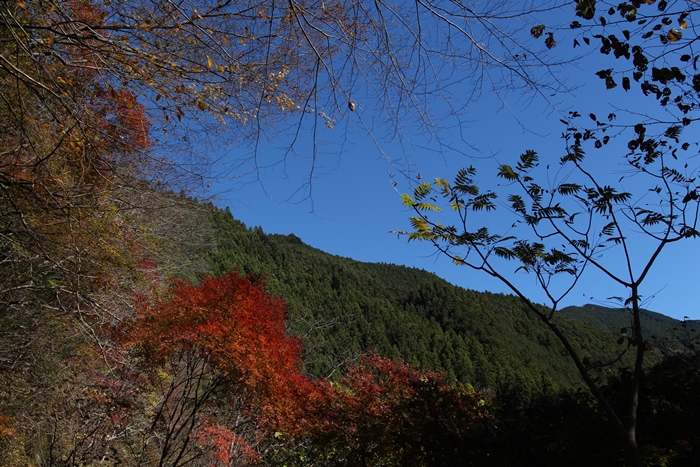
141 327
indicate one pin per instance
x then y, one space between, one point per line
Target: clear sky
355 204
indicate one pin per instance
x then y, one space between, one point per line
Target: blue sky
354 203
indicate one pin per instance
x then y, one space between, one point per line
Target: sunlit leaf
506 171
422 190
674 35
427 207
407 201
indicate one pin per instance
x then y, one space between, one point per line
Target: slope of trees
344 308
174 383
104 358
657 326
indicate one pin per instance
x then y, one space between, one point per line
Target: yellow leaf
674 35
440 182
209 62
407 201
427 207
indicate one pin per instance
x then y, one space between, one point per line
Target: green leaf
420 236
609 229
673 131
422 190
582 244
464 176
576 155
419 224
550 212
621 197
653 218
506 171
503 252
517 203
407 201
457 205
616 240
528 160
443 185
427 207
569 188
467 189
484 202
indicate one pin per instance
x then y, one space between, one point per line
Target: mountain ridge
344 307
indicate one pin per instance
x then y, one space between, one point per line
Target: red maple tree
223 345
230 386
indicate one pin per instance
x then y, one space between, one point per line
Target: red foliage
225 444
385 411
381 412
238 329
231 320
87 19
122 118
85 12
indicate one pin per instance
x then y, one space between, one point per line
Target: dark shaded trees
573 217
385 412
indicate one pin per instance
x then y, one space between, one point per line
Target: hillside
662 331
114 364
344 307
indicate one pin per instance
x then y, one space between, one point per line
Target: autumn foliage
228 384
386 412
224 345
231 320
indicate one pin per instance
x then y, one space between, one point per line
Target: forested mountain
344 307
175 360
143 328
656 325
